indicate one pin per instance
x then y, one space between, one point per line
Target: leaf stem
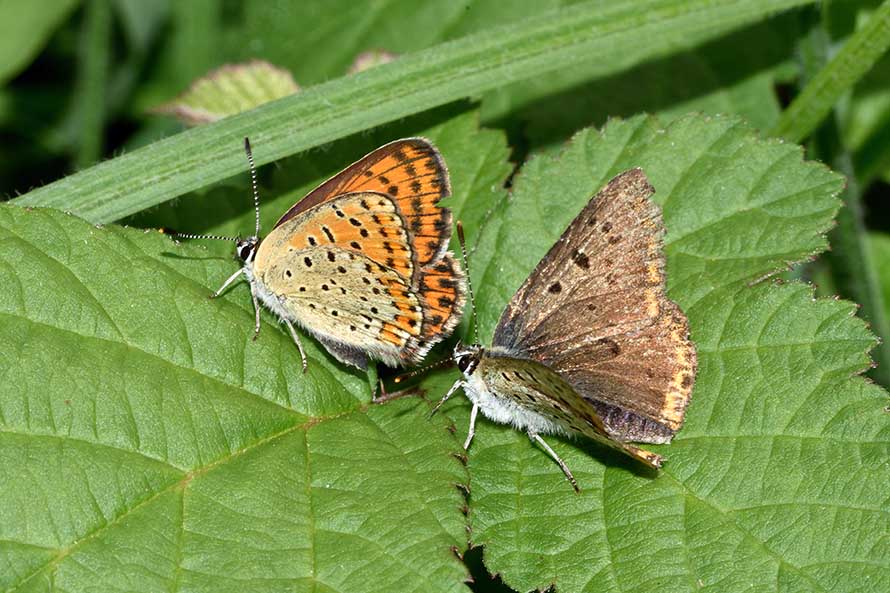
852 265
92 82
608 33
850 260
838 76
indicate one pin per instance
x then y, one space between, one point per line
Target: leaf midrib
181 483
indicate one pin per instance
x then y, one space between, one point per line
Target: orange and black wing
413 173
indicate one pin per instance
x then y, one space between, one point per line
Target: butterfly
590 344
361 263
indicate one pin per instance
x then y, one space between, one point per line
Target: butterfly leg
256 310
562 464
457 385
296 337
226 284
472 432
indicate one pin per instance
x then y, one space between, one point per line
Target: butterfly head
245 249
467 357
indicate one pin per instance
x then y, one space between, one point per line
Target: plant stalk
607 34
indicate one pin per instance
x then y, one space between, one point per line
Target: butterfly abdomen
625 425
502 404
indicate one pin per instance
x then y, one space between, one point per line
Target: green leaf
867 124
140 22
864 117
150 444
145 438
777 481
91 87
466 67
228 90
879 246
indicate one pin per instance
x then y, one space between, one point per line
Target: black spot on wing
580 259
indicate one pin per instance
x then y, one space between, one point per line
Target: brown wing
595 311
413 173
536 387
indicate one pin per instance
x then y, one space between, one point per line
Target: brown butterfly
590 344
361 263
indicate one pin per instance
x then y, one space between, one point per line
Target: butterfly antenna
256 207
175 235
463 252
256 193
421 370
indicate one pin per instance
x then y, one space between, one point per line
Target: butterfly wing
412 173
547 402
410 170
342 270
595 311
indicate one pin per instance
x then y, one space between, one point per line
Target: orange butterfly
361 263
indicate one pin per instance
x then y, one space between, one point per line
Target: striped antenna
463 252
175 235
256 207
256 194
423 369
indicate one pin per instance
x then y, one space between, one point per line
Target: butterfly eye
463 363
245 250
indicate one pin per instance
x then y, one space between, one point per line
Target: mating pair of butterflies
589 345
